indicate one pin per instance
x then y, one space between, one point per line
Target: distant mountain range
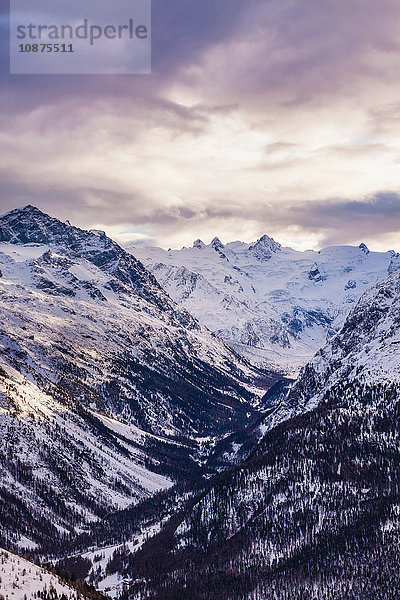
274 305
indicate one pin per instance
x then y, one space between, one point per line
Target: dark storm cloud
384 206
304 48
181 31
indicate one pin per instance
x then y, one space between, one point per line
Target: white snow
21 253
264 300
21 579
112 584
26 543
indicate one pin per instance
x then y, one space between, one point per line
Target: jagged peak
29 208
266 240
29 225
364 248
25 212
217 244
264 247
198 244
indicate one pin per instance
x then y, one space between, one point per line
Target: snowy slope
22 580
315 512
366 352
275 305
105 383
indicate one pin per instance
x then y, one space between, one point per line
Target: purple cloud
257 115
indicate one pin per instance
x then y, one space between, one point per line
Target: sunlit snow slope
22 580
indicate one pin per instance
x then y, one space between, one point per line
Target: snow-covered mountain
365 352
275 305
20 579
109 392
315 512
119 409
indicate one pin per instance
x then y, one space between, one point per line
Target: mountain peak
26 225
264 247
217 244
364 248
29 225
29 208
198 244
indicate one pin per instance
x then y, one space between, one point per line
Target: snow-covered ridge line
272 304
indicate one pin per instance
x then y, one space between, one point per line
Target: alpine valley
151 442
314 513
110 393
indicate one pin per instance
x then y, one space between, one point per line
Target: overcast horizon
273 117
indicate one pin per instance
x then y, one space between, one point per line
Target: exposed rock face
394 263
264 248
315 274
217 244
364 248
350 285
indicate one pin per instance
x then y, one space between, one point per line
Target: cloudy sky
265 116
